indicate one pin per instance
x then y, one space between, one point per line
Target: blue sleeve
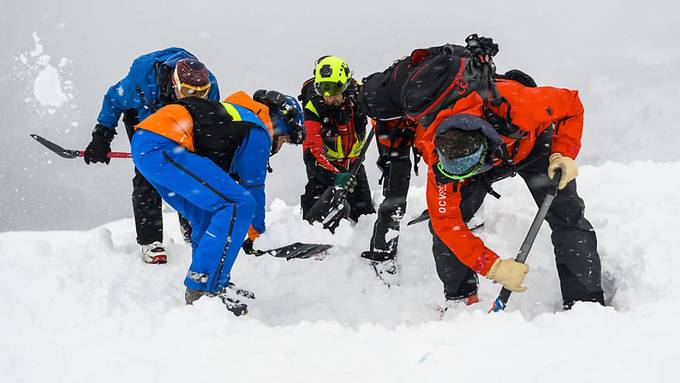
250 163
120 97
214 94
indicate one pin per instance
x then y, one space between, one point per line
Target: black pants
573 237
319 179
146 202
395 164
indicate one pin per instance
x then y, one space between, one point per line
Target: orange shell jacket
533 110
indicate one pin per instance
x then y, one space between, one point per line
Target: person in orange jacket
468 147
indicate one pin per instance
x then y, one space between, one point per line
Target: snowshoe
229 296
154 253
385 266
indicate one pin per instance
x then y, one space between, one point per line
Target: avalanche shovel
68 153
333 205
502 300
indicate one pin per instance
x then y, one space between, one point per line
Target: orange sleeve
314 143
569 126
252 233
443 203
172 121
542 106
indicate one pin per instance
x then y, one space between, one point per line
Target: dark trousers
395 164
146 202
573 237
319 179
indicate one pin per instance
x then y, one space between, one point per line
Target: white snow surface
83 307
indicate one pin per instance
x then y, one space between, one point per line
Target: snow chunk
47 87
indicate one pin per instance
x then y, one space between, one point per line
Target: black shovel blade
331 199
299 250
61 152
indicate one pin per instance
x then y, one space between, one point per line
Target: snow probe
296 250
333 202
68 153
502 300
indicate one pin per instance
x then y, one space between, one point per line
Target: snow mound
86 308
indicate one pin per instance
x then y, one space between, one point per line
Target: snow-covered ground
83 307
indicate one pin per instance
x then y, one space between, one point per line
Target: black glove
100 145
249 249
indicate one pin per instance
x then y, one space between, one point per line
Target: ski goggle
330 88
462 167
187 90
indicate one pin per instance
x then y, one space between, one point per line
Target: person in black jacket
336 129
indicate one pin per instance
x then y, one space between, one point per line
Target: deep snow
83 307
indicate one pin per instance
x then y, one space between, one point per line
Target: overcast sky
624 58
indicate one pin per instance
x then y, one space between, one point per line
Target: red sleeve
314 143
568 111
443 203
542 106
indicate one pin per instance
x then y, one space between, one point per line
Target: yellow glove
509 273
568 166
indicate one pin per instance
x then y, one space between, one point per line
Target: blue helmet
286 114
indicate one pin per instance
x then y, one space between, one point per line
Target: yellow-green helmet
331 76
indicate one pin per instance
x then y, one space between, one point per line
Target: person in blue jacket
155 80
209 160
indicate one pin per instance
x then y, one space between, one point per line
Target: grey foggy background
624 57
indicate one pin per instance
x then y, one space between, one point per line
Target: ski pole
69 153
502 300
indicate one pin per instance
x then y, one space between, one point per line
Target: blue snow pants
219 223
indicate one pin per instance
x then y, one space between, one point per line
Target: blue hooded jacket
140 89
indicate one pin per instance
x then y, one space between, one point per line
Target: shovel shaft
502 300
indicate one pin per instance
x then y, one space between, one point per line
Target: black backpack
418 86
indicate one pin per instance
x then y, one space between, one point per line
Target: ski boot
384 264
230 296
455 304
154 253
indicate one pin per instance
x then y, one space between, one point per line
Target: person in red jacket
336 130
473 144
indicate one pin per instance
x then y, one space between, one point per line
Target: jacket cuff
484 262
565 150
252 233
